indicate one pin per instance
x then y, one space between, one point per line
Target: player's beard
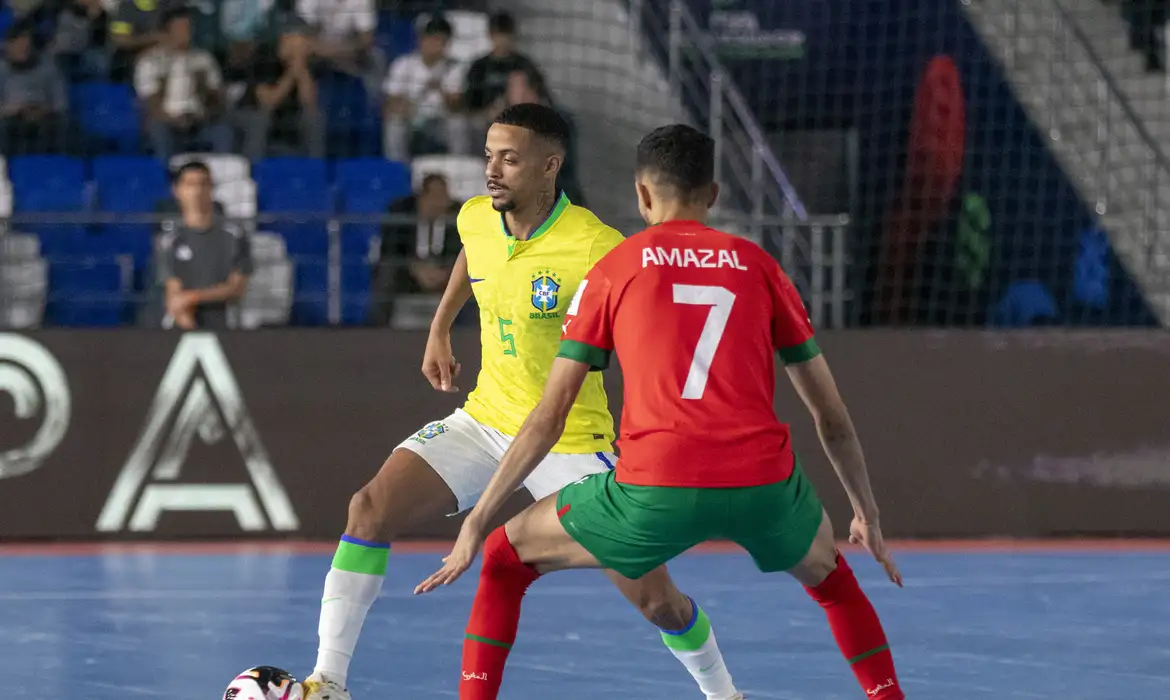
505 206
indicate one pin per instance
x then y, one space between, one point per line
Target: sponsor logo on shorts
474 676
429 431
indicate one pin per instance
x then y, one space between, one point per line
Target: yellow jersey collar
549 221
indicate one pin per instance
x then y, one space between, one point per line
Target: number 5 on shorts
720 300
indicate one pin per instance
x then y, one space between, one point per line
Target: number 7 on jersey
720 299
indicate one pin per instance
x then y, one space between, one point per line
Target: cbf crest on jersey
546 293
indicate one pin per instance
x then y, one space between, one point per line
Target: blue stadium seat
290 174
44 185
130 185
353 120
356 237
306 238
356 277
372 175
395 35
88 293
6 19
108 114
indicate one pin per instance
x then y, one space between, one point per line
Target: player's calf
404 492
854 623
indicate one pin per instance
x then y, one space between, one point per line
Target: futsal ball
264 683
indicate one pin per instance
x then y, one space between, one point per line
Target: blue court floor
1066 626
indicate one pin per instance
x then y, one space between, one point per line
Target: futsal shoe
318 688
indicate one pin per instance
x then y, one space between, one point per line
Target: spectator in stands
345 37
416 256
525 87
206 260
487 77
424 92
33 97
137 27
181 86
1147 26
280 105
80 41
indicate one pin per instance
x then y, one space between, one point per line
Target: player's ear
552 166
643 192
714 195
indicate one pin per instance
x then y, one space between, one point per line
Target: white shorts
466 454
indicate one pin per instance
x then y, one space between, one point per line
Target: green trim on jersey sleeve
800 353
583 352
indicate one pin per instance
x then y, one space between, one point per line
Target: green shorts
635 529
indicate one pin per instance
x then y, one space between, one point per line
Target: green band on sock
865 655
489 642
692 639
361 559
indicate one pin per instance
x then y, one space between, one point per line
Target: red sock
495 615
858 632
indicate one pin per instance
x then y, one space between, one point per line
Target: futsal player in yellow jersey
526 248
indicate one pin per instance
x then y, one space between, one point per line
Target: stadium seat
395 35
357 237
352 118
471 39
291 175
49 184
306 238
132 185
88 293
5 199
108 114
268 301
373 175
356 278
23 286
19 246
3 168
465 174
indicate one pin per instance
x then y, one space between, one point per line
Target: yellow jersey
523 288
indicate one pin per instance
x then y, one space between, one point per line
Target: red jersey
696 317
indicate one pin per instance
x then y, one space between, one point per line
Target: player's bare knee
366 520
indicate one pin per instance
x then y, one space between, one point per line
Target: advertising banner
155 435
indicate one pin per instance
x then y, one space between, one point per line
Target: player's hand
458 561
439 365
869 535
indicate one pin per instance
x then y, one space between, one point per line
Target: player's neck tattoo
545 201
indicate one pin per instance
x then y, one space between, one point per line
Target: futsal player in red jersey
696 317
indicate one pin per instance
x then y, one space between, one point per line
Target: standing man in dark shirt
487 77
207 260
280 104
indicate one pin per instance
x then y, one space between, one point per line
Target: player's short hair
679 157
545 122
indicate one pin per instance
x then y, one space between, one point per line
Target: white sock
696 648
346 601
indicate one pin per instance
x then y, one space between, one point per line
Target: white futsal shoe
318 688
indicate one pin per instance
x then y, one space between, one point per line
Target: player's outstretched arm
439 365
540 432
814 382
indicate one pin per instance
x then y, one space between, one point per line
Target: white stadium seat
23 287
471 39
268 300
19 247
464 174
